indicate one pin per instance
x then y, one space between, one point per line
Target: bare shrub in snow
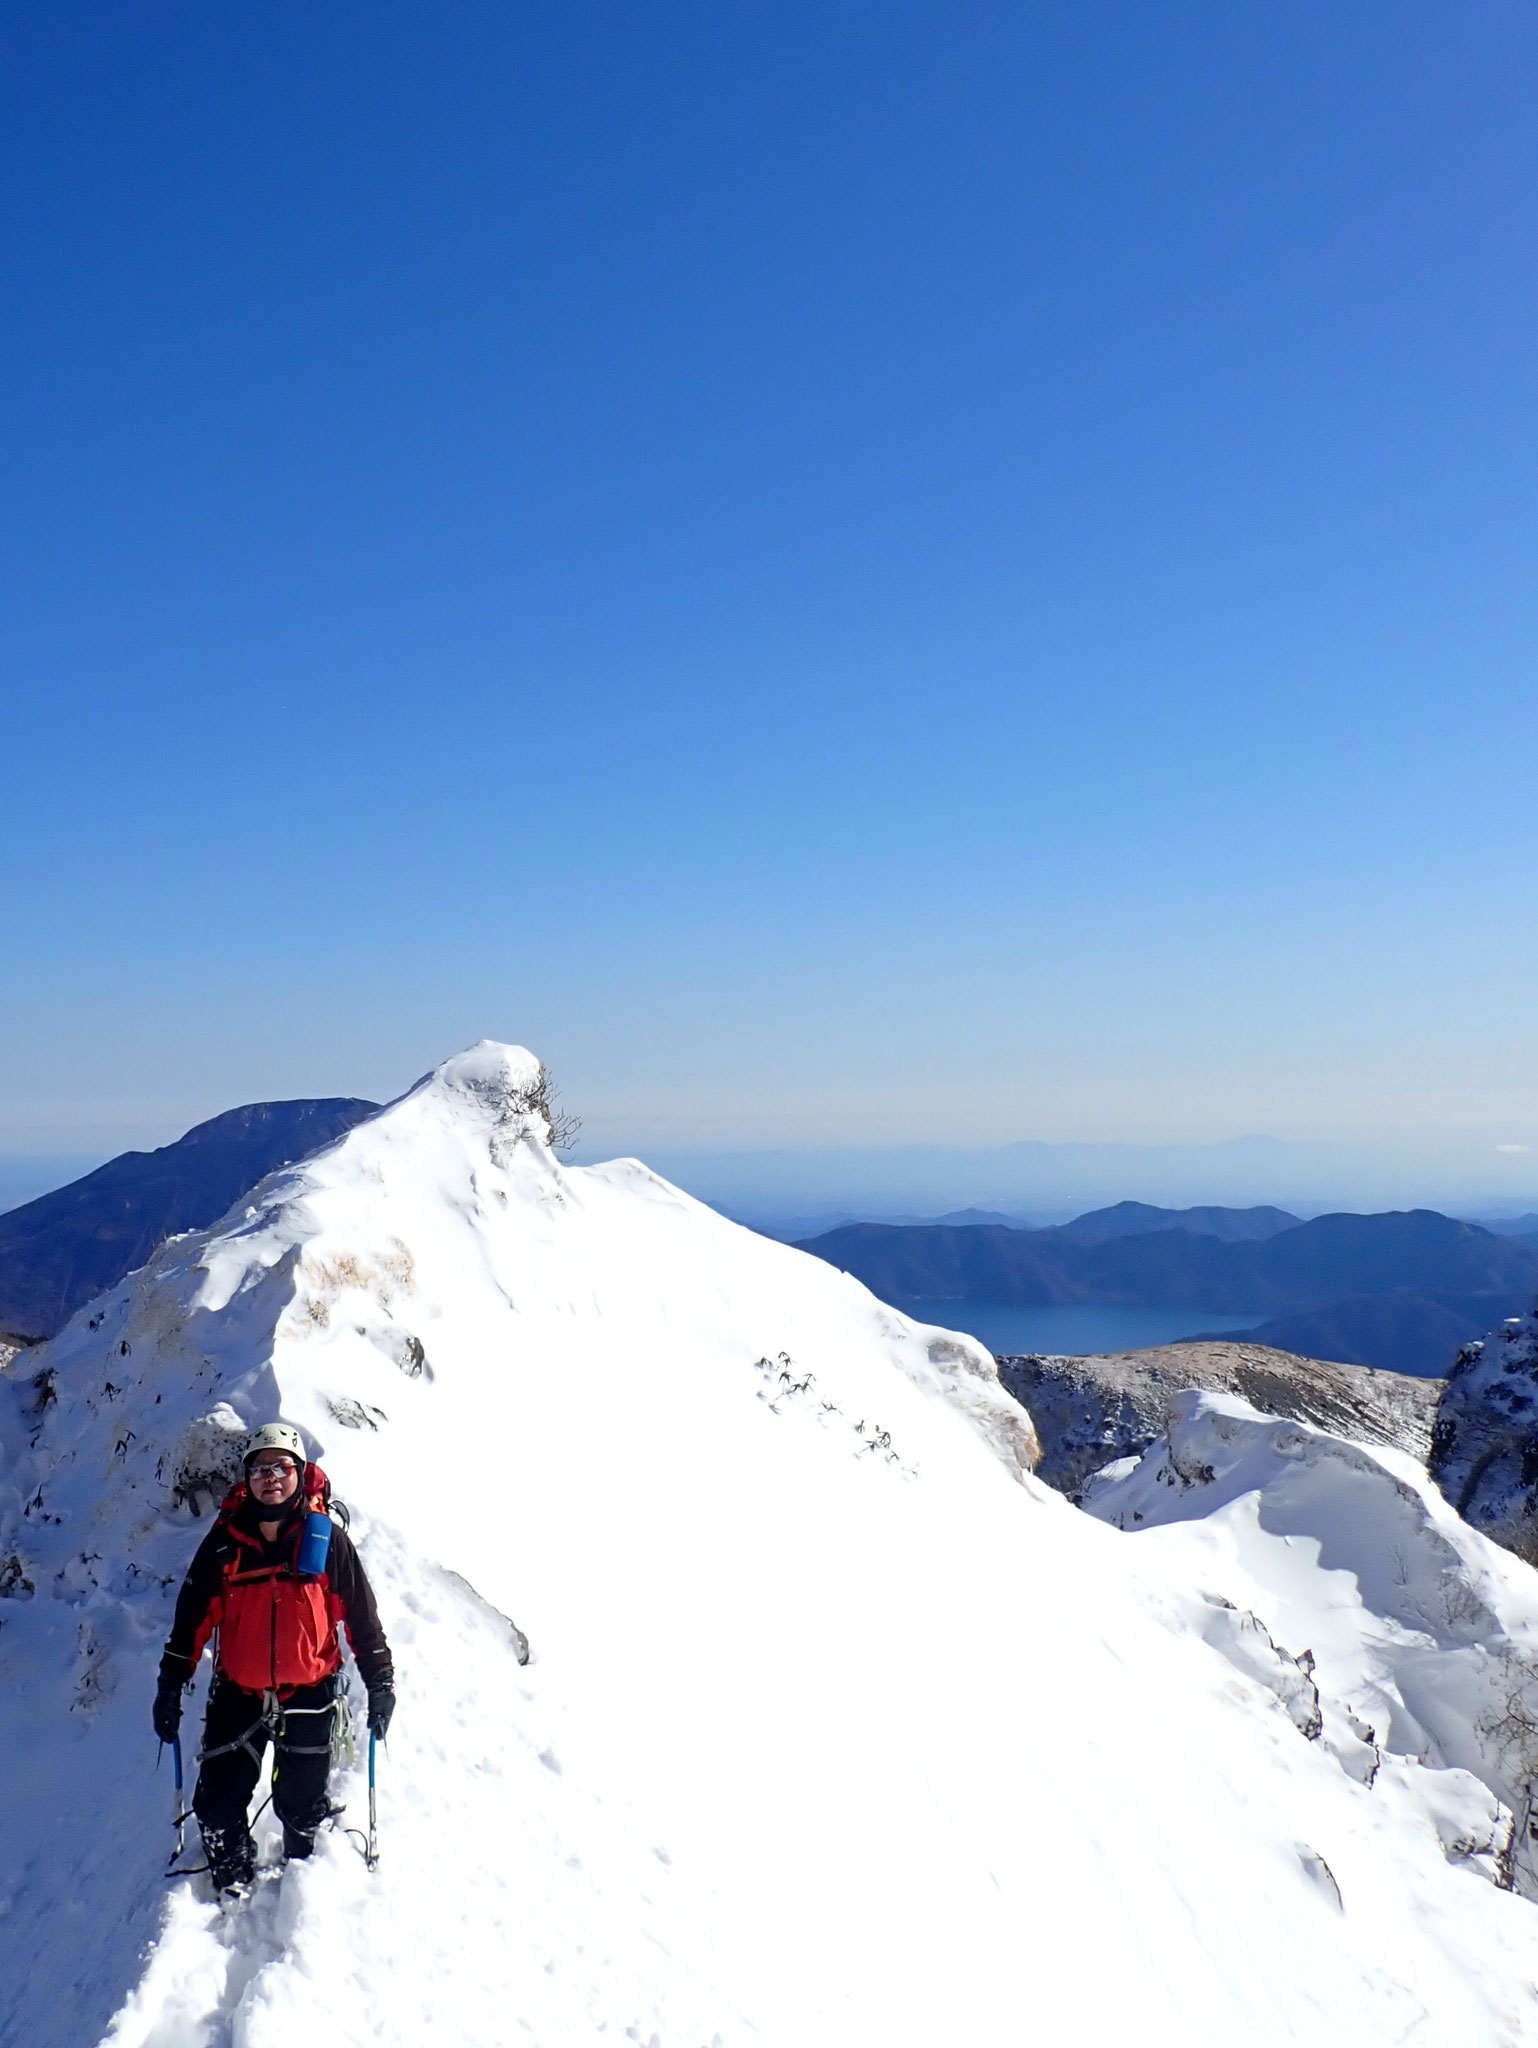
355 1414
1458 1603
93 1680
541 1097
1511 1728
14 1583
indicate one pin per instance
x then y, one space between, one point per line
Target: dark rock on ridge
1091 1411
1484 1449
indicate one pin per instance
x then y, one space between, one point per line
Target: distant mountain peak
1140 1219
253 1119
61 1250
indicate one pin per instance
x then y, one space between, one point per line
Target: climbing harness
274 1719
270 1719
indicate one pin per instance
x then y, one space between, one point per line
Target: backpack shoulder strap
231 1505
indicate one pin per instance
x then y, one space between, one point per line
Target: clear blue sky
848 573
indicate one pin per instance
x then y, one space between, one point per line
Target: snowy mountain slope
839 1727
1418 1638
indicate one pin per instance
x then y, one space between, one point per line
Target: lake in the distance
1076 1330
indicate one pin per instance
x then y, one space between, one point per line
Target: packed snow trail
838 1728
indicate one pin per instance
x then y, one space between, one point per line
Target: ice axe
372 1857
368 1844
179 1822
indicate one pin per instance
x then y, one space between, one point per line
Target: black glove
167 1716
381 1705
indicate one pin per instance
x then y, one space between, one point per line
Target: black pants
234 1743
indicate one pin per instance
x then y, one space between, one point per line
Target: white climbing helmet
275 1436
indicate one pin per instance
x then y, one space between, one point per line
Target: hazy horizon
1032 1180
1048 1183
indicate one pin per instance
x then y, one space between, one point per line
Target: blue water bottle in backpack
314 1545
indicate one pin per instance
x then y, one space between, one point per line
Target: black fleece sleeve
192 1603
350 1584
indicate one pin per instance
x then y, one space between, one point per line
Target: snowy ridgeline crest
1484 1450
116 1417
478 1344
826 1697
1413 1641
1092 1411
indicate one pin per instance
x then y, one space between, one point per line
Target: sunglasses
279 1469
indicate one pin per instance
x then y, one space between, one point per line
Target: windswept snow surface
839 1728
1337 1576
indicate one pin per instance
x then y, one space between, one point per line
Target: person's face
273 1478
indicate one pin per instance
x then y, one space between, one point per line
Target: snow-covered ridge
838 1727
1093 1411
1412 1642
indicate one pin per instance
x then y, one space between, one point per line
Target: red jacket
275 1630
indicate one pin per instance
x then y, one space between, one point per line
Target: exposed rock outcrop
11 1347
1484 1448
1092 1411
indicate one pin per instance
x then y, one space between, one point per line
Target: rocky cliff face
1091 1411
1484 1448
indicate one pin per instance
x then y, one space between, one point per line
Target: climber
253 1586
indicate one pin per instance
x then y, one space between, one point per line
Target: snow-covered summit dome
506 1079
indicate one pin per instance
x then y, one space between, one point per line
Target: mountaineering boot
231 1858
296 1843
